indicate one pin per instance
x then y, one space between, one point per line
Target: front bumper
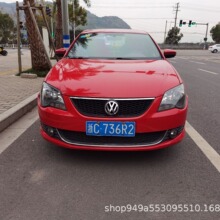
153 129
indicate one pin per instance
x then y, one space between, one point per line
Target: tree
59 34
59 29
77 15
215 33
39 58
6 27
174 36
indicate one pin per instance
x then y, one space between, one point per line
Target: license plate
120 129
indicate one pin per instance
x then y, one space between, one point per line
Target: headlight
52 97
173 98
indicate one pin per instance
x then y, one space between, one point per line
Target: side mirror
60 52
169 53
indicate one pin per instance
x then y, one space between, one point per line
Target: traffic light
190 23
48 11
21 24
182 23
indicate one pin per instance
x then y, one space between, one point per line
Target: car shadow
112 157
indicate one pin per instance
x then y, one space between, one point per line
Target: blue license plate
106 128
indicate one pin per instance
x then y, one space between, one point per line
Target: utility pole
165 33
176 9
65 20
18 38
206 36
206 33
73 23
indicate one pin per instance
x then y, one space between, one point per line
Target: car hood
113 78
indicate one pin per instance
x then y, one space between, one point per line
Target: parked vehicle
215 48
113 90
3 52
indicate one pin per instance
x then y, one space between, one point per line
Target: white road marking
197 62
10 134
208 71
204 146
171 61
184 58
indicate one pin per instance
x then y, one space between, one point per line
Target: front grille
140 139
96 107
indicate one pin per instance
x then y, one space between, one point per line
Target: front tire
215 51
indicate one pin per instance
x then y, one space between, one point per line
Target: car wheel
4 53
215 51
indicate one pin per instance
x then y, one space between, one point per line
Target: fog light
50 131
173 133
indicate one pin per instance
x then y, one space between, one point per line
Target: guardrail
183 47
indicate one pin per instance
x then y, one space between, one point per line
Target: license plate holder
109 128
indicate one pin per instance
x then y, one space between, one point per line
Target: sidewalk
17 95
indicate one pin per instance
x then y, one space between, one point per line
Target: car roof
114 31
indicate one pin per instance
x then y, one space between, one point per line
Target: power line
131 6
201 9
147 18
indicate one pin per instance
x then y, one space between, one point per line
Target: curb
28 75
10 116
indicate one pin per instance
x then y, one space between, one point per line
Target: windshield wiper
126 58
77 57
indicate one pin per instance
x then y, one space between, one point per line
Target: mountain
93 21
9 8
105 22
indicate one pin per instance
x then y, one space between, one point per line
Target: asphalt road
41 181
202 82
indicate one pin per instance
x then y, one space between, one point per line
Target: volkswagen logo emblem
111 107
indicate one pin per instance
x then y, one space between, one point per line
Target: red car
113 90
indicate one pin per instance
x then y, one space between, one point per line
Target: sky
153 15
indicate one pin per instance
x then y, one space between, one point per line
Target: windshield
114 46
